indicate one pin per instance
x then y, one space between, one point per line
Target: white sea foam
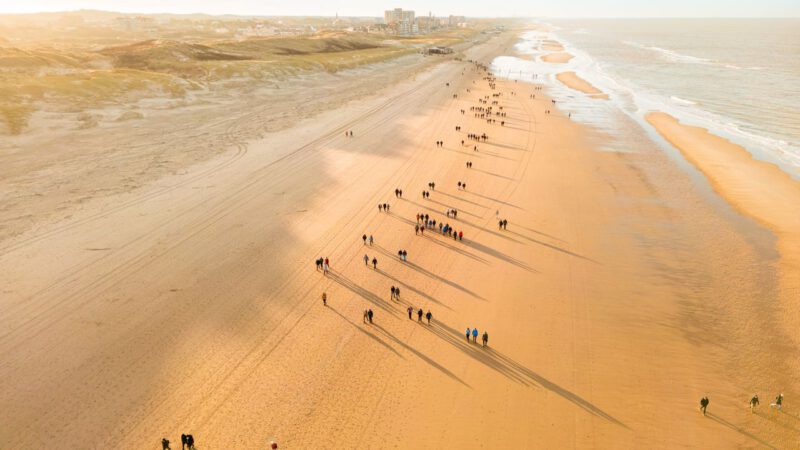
632 100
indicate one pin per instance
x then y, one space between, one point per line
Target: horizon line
2 13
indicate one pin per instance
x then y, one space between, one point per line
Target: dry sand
558 58
191 305
573 81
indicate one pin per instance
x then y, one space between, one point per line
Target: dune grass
73 82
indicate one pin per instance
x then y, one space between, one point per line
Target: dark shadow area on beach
362 292
420 355
362 330
733 427
513 370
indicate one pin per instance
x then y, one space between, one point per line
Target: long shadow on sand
733 427
420 355
460 251
448 206
496 200
493 174
513 370
411 288
432 275
461 199
364 293
516 225
370 335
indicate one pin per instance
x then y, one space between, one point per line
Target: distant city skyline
371 8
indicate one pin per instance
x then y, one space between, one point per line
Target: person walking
474 335
753 403
364 238
366 259
324 299
416 229
183 441
326 267
369 315
190 442
485 338
428 316
405 255
165 444
419 315
374 263
397 292
366 314
778 402
392 292
468 331
410 311
704 404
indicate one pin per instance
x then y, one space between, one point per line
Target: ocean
738 78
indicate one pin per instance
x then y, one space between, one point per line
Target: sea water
738 78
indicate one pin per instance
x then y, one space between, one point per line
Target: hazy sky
490 8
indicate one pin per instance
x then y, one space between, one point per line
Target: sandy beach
557 58
573 81
619 294
755 188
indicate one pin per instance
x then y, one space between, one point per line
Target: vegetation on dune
74 81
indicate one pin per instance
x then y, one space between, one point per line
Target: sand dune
558 58
573 81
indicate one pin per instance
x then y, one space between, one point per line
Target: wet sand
192 305
757 189
557 58
573 81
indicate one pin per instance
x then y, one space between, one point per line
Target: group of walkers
426 194
383 207
440 143
474 334
403 255
410 311
754 402
469 164
398 193
370 240
462 186
324 265
395 293
368 315
503 224
477 137
374 261
187 443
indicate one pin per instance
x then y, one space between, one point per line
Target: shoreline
757 189
557 58
573 81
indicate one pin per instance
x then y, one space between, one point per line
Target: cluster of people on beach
428 315
403 255
398 193
754 402
324 265
383 207
474 334
440 143
187 443
503 224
